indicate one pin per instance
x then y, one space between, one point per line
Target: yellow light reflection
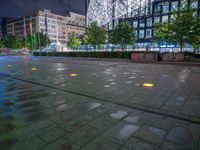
148 85
73 75
34 69
9 66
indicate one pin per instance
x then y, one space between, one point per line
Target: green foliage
194 55
74 42
2 43
31 41
184 29
123 34
95 35
123 55
37 40
13 42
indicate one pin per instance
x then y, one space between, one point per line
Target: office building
58 27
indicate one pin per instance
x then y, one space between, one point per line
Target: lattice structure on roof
105 11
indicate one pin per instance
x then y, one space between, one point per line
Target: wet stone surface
52 103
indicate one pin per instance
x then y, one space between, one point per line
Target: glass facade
158 11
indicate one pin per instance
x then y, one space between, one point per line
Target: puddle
127 131
156 131
107 86
90 106
128 82
132 119
118 114
62 107
113 83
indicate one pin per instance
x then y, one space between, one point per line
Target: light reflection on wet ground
108 105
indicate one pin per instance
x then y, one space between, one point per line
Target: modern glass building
141 14
158 11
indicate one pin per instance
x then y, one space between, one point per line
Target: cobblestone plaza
89 104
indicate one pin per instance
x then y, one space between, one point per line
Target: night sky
14 8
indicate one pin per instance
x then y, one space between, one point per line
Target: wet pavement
80 104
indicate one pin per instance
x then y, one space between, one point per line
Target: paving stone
120 132
183 136
52 134
100 124
114 115
61 144
137 144
23 134
173 146
151 134
32 111
100 143
136 118
161 122
83 135
31 144
7 141
77 122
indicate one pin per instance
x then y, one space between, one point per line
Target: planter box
137 57
167 57
144 57
172 57
151 57
178 57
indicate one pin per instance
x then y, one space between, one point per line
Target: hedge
122 55
192 54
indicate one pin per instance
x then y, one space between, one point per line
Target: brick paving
72 104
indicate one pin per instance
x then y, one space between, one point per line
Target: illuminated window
157 8
141 22
156 20
135 24
141 34
149 22
193 3
174 6
165 7
184 4
148 33
164 19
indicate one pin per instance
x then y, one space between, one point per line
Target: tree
74 42
37 40
13 42
95 35
123 34
164 34
2 43
184 29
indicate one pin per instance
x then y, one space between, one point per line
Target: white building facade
57 27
